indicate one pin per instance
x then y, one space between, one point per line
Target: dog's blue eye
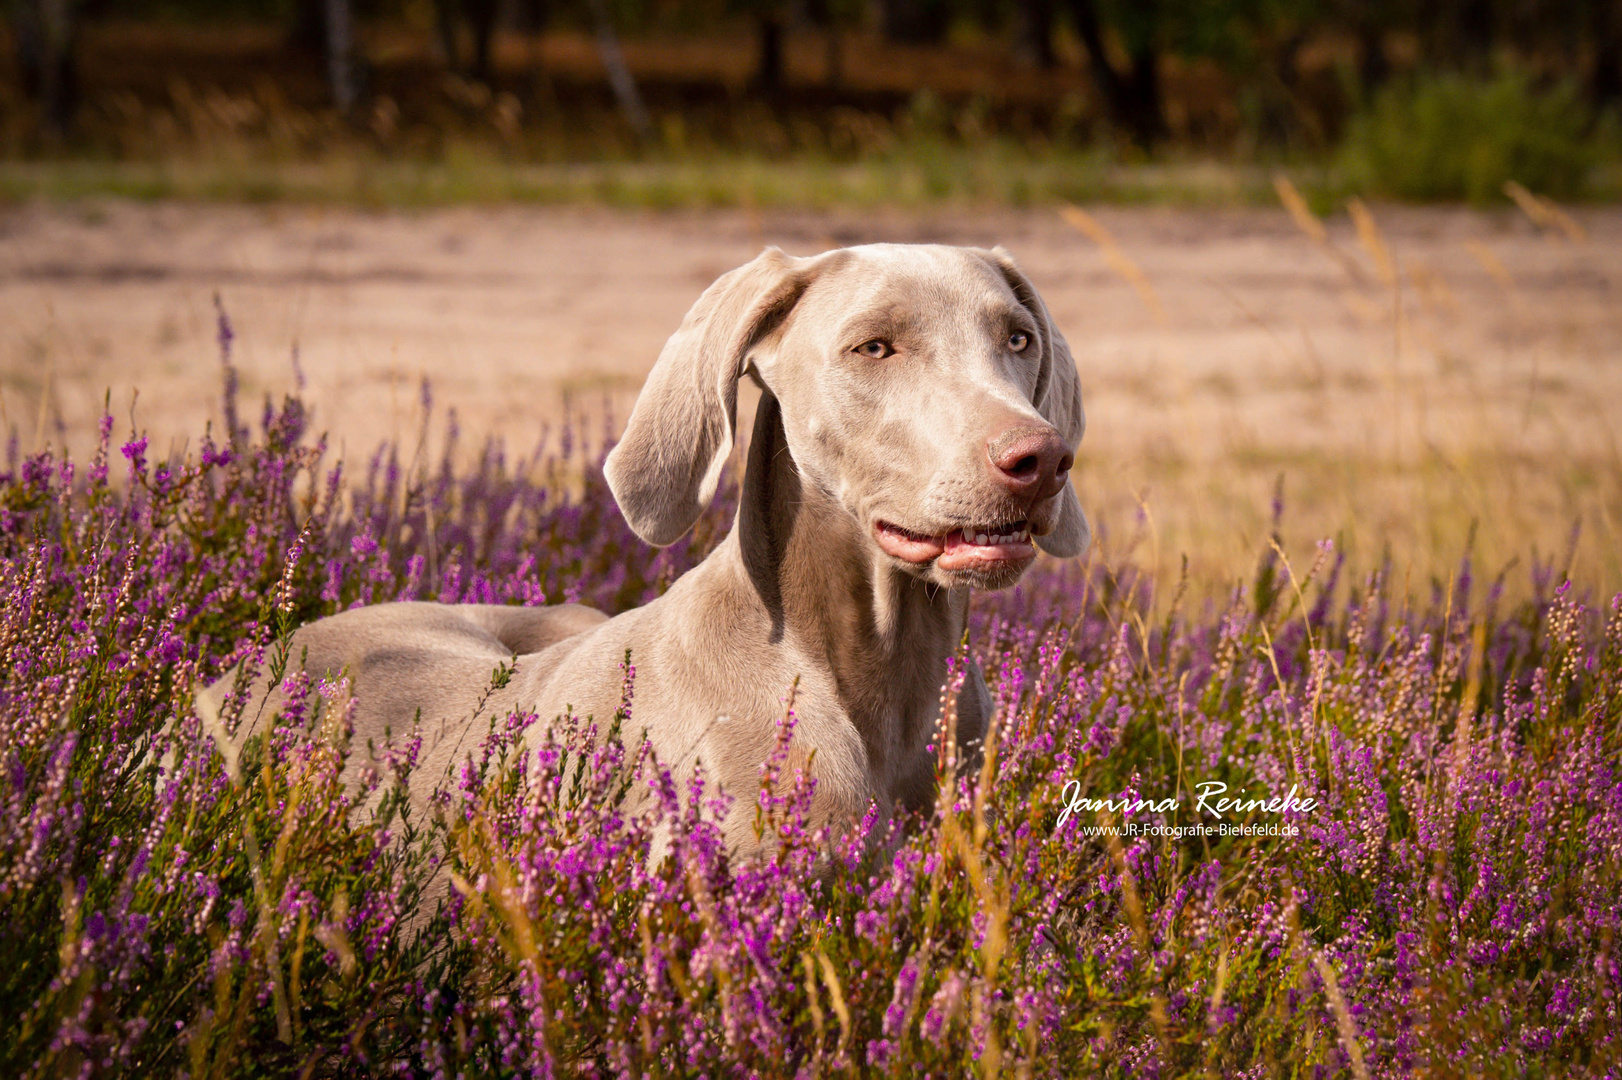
877 349
1017 341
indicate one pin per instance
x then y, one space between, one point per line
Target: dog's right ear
666 467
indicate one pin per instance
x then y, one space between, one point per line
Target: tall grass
1456 426
921 174
1449 903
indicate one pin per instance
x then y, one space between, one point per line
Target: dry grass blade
1368 234
1344 1025
1119 261
1299 211
811 997
836 997
1545 213
1313 228
1491 263
1133 903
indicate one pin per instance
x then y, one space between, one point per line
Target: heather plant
1449 900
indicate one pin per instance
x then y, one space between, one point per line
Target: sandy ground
1217 349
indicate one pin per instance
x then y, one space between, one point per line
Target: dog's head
922 386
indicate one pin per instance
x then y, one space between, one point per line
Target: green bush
1449 136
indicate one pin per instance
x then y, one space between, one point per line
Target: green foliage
1448 136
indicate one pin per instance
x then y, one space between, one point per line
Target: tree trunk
619 75
449 28
1373 66
45 39
1036 33
769 75
1143 108
1476 34
913 22
308 33
533 15
1132 98
340 56
1605 81
482 14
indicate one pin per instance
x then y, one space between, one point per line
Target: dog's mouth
960 549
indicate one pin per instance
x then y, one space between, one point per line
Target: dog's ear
1058 399
665 469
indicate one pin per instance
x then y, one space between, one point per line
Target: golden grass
923 175
1421 460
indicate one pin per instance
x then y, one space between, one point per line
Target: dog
918 419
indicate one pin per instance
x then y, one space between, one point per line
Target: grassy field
917 177
1415 383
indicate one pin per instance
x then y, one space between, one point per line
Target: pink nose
1030 461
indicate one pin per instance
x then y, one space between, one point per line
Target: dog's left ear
665 469
1057 398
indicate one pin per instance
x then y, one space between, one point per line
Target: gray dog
918 419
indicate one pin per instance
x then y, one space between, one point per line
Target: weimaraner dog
918 419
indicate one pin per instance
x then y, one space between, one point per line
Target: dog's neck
832 596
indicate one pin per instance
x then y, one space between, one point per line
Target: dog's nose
1030 461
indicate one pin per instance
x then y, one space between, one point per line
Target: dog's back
413 668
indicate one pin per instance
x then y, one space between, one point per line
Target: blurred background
1356 259
1018 101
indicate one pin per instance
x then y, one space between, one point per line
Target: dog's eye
877 349
1018 340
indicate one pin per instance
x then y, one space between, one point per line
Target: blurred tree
1268 52
1605 32
771 19
1373 65
326 28
619 74
1258 45
481 17
45 31
1035 31
1132 94
914 22
341 55
532 15
835 18
769 73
